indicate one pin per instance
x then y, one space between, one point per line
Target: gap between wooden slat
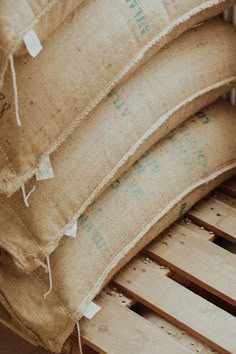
203 262
150 286
118 330
215 216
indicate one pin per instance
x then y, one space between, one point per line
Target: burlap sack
19 17
193 71
82 61
159 188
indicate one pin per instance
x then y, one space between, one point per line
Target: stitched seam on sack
45 10
138 238
121 254
230 165
125 71
55 294
27 28
31 171
129 153
57 342
68 323
135 147
127 68
192 188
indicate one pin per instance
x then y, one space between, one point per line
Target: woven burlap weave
100 44
159 188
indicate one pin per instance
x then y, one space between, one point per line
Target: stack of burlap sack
111 127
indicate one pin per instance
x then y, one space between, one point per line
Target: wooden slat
118 330
111 293
216 216
179 305
200 230
178 334
203 262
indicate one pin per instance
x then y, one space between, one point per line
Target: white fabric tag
72 230
91 311
32 43
45 170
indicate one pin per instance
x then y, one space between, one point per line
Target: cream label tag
91 311
72 230
32 43
45 170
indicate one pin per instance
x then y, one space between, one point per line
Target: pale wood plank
118 330
179 305
111 293
178 334
216 216
199 230
203 262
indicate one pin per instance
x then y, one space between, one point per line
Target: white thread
13 73
49 277
79 338
26 196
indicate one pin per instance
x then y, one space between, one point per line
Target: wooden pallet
179 294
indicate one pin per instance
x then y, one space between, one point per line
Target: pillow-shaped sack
165 182
88 55
190 73
19 18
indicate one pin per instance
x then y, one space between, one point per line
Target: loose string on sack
26 196
49 277
13 73
79 338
